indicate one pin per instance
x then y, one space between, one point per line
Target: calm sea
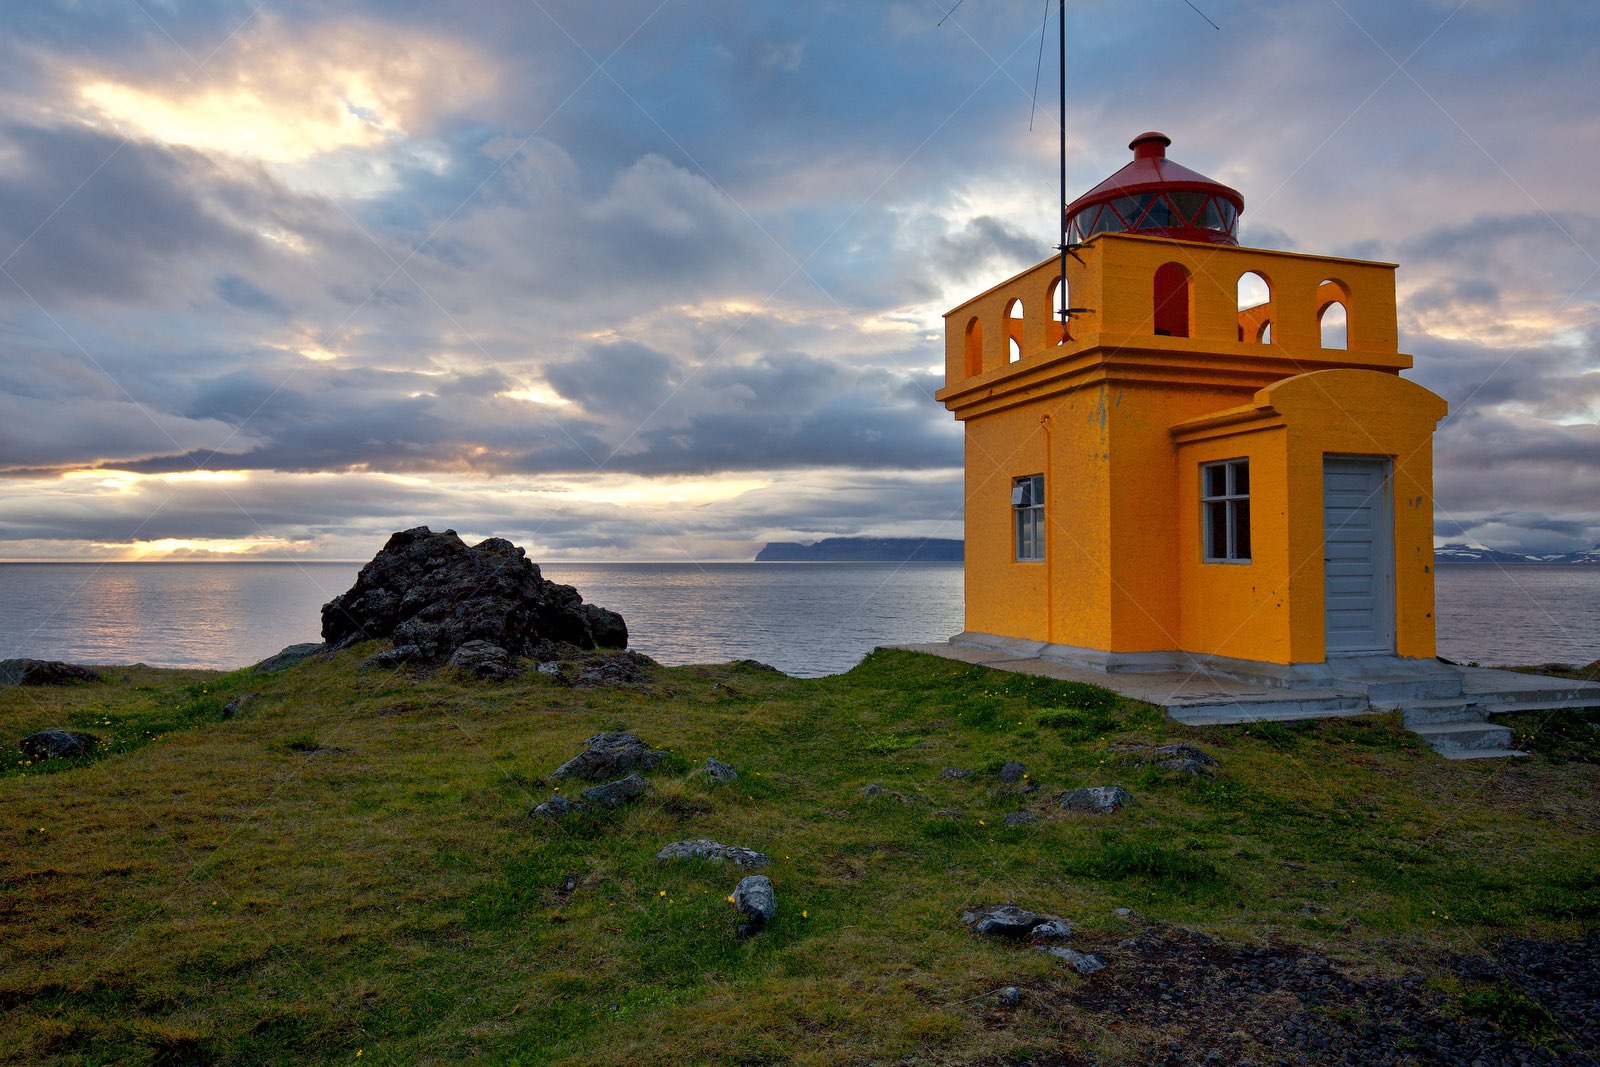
805 618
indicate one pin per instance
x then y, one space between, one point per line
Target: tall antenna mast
1061 208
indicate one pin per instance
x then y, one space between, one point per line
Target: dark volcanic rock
706 849
615 794
1008 920
607 755
718 771
430 590
558 805
43 672
483 660
613 668
1013 771
282 661
756 901
56 744
392 658
1095 799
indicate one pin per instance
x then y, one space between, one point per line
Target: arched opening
1171 301
1055 300
974 347
1265 336
1014 324
1255 307
1333 313
1335 326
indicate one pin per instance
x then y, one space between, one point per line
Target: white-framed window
1225 511
1027 508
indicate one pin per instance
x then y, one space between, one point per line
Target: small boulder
608 755
392 658
955 773
290 656
1085 963
558 806
1009 997
1008 920
483 660
706 849
1013 771
756 901
1095 799
1185 759
615 794
1052 930
1020 818
43 672
606 627
239 704
718 771
56 744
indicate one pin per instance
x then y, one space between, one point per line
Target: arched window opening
974 347
1335 326
1058 298
1266 332
1171 301
1255 306
1014 326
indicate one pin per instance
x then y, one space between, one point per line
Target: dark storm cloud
89 216
985 244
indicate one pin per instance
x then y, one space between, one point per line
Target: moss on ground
347 864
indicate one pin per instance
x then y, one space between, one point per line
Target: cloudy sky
663 279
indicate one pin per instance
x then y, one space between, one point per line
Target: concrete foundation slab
1448 705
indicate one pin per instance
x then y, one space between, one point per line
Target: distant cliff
864 550
1464 553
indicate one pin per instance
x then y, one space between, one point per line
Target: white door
1358 555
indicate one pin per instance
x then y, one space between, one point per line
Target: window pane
1159 214
1241 528
1131 208
1216 480
1211 218
1188 203
1241 478
1216 530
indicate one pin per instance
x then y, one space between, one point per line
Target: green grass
348 864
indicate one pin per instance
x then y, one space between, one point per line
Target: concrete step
1468 740
1285 708
1396 692
1417 713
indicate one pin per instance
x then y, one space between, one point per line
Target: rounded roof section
1154 196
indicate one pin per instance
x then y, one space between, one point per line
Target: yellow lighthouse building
1181 477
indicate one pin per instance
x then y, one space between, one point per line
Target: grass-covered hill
344 868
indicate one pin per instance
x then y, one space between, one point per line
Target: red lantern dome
1155 196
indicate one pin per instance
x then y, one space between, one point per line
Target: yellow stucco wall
1096 414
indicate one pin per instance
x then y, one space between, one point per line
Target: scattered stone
430 590
392 658
947 813
1012 771
1020 818
484 660
239 704
1052 930
756 901
706 849
1095 799
44 672
718 771
550 667
1186 759
955 772
558 806
290 656
56 744
608 755
615 794
1085 963
1008 920
1009 997
1122 913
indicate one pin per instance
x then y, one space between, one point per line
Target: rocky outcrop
43 672
705 849
56 744
1095 799
1009 920
282 661
432 592
608 755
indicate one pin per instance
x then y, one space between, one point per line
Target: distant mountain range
944 549
864 550
1462 553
